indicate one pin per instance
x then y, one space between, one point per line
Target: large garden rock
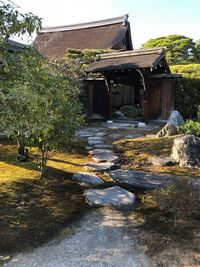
175 118
87 178
140 179
186 151
113 196
167 130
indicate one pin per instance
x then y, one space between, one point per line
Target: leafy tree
179 48
14 22
38 98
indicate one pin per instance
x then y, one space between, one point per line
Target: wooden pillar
145 102
90 98
109 104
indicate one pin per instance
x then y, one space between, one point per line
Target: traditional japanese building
141 78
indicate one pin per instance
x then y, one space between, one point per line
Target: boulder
175 118
167 130
140 179
186 151
87 178
114 196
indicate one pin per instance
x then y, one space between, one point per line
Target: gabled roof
112 33
140 58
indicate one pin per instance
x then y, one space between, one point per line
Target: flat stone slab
104 157
141 179
83 134
114 196
87 178
102 146
100 134
100 151
95 138
95 142
101 166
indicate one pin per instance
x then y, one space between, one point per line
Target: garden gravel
103 238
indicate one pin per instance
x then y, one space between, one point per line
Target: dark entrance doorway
100 99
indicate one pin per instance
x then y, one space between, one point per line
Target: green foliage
187 98
179 48
187 71
83 57
39 102
14 22
191 127
38 98
181 199
131 111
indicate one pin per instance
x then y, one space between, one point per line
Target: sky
148 18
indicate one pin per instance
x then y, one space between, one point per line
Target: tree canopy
12 21
39 104
179 48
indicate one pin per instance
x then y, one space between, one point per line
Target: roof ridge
122 19
146 51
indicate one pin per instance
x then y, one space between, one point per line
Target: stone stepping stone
102 146
100 134
100 151
105 157
114 196
83 134
95 142
101 166
87 178
141 179
95 138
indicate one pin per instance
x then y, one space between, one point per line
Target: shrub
187 71
181 199
131 111
191 127
187 97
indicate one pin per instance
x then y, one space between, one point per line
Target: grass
166 242
134 154
33 210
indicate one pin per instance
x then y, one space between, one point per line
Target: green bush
191 127
181 199
187 71
187 97
131 111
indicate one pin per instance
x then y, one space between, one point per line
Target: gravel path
104 237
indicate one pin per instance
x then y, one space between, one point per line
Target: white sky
148 18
